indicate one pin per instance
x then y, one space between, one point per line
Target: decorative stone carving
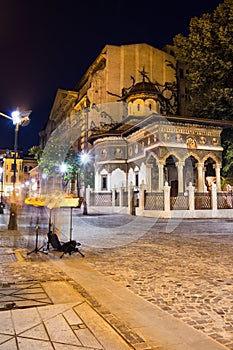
191 142
166 137
118 152
203 140
179 138
104 153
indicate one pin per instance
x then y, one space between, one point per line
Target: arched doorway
190 171
171 174
153 177
210 174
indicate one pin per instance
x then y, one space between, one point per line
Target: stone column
191 196
142 189
200 177
130 198
214 205
113 196
180 166
218 178
161 176
121 199
166 190
148 177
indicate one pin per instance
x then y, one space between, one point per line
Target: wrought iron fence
202 200
101 199
154 201
225 200
179 202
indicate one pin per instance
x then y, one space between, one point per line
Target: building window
137 179
104 182
138 107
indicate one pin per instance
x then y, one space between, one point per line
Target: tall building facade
111 74
130 109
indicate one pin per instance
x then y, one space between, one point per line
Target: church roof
143 87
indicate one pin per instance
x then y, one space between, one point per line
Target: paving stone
187 272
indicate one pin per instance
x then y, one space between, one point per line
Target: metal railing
102 199
202 200
224 200
179 202
154 201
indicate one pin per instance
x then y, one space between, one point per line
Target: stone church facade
131 120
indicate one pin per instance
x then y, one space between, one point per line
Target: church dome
142 90
143 87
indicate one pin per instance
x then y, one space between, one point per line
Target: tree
73 164
36 151
208 52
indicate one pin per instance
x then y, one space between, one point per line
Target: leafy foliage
35 151
208 51
52 157
227 137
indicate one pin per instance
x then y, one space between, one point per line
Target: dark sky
46 45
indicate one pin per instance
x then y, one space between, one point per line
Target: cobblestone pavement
187 273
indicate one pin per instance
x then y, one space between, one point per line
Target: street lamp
85 159
18 118
1 174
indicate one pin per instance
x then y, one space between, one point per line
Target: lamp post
18 118
85 159
1 174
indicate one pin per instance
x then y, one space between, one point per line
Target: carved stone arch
131 168
171 154
212 156
194 155
113 167
212 167
152 155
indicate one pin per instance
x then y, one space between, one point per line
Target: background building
22 174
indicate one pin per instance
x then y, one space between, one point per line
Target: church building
131 108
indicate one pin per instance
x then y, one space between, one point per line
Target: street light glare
16 117
85 158
63 168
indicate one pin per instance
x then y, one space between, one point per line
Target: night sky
47 45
